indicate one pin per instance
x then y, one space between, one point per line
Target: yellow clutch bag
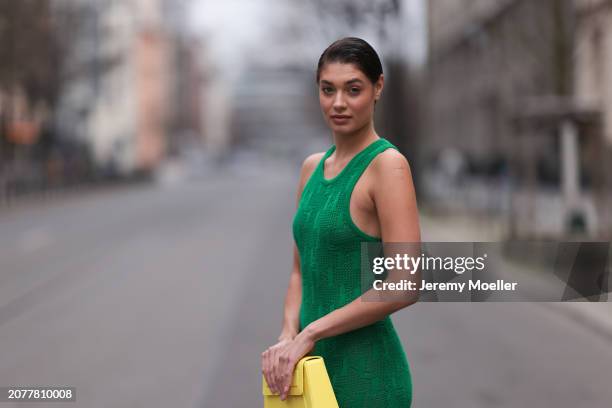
310 387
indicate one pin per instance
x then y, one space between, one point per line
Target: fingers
279 372
266 368
270 368
277 368
287 367
274 369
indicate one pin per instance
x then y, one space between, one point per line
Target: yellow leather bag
310 387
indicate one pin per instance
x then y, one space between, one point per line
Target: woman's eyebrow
350 81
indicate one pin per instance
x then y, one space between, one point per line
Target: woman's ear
378 87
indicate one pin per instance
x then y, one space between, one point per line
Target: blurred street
166 294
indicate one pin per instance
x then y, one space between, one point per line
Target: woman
359 190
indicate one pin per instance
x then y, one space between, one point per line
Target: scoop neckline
329 153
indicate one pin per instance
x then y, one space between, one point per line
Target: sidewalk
52 196
595 316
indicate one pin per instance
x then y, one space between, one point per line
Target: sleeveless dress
367 367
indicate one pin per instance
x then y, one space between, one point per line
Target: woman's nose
339 102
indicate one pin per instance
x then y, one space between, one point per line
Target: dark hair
352 50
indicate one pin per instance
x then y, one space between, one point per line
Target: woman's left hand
285 355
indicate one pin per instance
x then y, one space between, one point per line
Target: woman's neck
349 144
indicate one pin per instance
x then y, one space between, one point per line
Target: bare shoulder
392 184
308 167
390 163
309 164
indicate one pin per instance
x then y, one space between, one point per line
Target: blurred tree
355 13
28 49
32 51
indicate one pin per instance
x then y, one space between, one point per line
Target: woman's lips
340 119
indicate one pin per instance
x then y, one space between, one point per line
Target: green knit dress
368 367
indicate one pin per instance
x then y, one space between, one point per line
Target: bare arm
398 216
293 298
293 301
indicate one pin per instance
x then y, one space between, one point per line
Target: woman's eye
327 90
355 90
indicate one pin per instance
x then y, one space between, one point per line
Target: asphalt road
165 296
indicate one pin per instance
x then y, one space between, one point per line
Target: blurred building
593 58
118 96
276 112
486 57
593 88
23 120
502 119
186 125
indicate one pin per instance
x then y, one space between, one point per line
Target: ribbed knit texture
368 366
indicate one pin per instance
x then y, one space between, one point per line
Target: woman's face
347 96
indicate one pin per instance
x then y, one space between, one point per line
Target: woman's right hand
269 359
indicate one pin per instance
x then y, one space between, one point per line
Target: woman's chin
342 129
